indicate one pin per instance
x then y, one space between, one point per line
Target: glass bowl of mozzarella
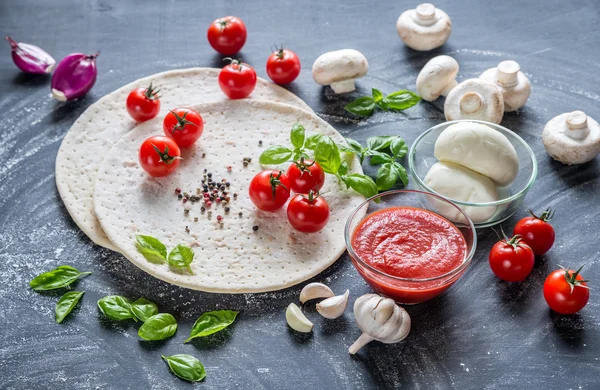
483 168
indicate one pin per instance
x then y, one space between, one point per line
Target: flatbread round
232 257
104 122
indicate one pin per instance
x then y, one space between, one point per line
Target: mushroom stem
425 14
507 75
451 84
343 86
363 340
471 102
577 124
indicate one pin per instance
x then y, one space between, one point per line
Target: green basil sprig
66 304
396 101
158 327
212 322
59 277
144 309
384 150
116 308
185 367
326 153
180 258
153 250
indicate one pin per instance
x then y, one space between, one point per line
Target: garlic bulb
333 307
380 319
314 291
297 320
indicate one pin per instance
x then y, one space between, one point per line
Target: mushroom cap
424 28
513 84
572 138
437 76
339 65
475 99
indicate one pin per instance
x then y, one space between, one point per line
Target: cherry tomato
283 66
227 35
143 103
159 156
237 80
184 126
566 291
269 190
537 232
305 175
511 259
308 213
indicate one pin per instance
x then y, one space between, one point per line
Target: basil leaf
66 303
362 184
377 95
275 155
158 327
116 308
383 105
299 153
363 106
153 250
398 147
386 177
327 155
379 143
379 157
144 309
312 141
185 367
212 322
401 100
401 171
343 168
297 135
355 145
181 257
59 277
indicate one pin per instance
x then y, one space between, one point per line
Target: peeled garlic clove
297 320
333 307
314 291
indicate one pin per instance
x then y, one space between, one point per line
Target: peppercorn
185 200
186 211
204 170
202 209
187 229
240 214
245 163
209 174
195 219
218 200
235 195
178 190
227 184
227 199
255 228
227 209
179 196
219 218
197 191
229 168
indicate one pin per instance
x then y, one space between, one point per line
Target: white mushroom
481 149
379 319
572 138
424 28
513 84
339 69
475 99
437 78
333 307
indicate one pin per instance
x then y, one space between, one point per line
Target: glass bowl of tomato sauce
405 249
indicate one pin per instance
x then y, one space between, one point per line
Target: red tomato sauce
412 243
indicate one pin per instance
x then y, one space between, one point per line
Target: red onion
30 58
74 76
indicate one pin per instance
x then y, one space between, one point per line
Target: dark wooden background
482 334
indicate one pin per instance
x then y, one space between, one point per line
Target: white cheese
459 183
479 148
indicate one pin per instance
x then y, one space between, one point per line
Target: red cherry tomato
308 213
143 103
283 66
305 175
237 80
566 291
537 232
184 126
159 156
227 35
269 190
511 259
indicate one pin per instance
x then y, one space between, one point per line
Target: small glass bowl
421 158
409 291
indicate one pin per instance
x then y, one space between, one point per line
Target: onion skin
74 76
30 58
